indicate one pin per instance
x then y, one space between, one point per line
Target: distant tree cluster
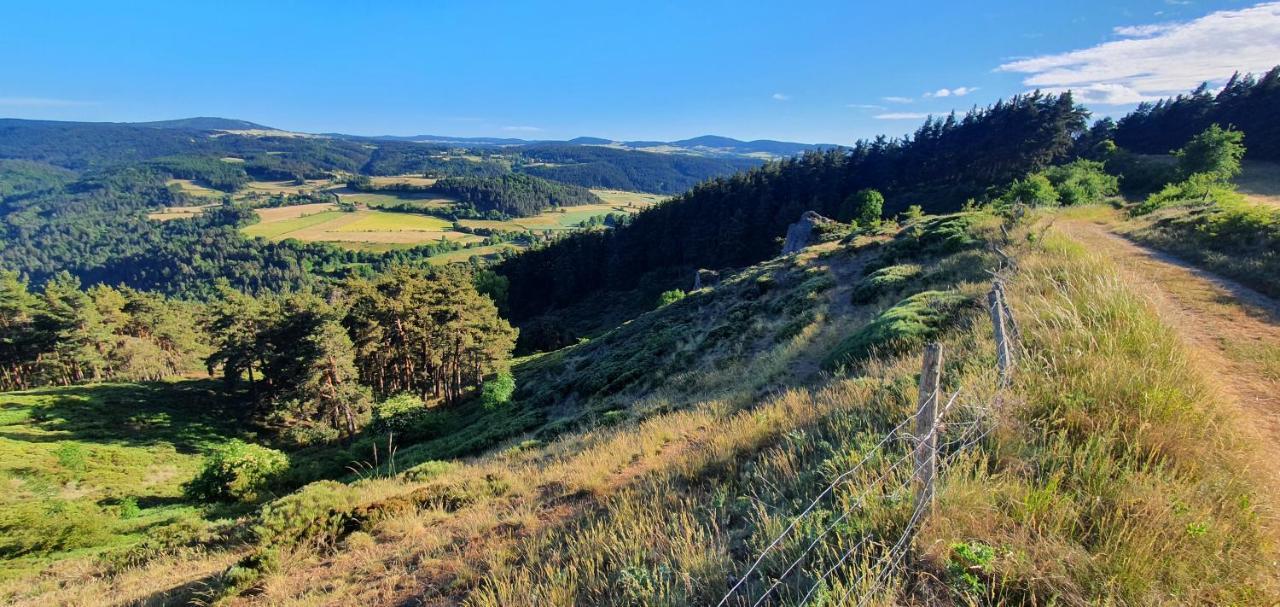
735 221
614 169
393 158
204 170
1245 104
513 195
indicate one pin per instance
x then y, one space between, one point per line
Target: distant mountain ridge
205 123
705 145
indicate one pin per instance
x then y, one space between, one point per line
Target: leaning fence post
995 302
926 420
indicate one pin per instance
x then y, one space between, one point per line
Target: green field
277 229
381 221
88 468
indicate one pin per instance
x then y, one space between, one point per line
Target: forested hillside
601 167
735 221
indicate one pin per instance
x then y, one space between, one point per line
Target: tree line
306 357
1246 103
512 195
735 221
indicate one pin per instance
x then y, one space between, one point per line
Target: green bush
1082 182
1216 151
1035 190
1199 188
400 413
669 297
884 281
49 526
236 471
497 391
428 469
313 515
907 324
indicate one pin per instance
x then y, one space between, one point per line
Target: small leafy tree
866 207
497 391
398 413
1216 151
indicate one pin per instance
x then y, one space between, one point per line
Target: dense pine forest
1246 103
735 221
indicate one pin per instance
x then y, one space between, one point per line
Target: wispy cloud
959 91
781 97
898 99
1157 60
865 106
902 116
522 129
42 102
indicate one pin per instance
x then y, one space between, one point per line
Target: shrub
883 281
315 514
907 324
497 391
400 413
1201 187
49 526
865 207
236 471
669 297
428 469
1082 182
311 434
1035 190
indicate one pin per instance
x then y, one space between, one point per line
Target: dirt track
1234 330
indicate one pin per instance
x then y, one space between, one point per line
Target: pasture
89 468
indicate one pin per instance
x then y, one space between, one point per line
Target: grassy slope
652 464
92 468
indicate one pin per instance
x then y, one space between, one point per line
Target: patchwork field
322 223
415 180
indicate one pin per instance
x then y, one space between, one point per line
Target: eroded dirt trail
1234 330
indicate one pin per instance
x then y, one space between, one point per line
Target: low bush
314 515
884 280
907 324
237 471
400 413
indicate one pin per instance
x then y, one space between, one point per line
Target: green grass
1239 240
277 229
382 221
89 468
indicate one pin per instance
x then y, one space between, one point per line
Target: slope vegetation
653 464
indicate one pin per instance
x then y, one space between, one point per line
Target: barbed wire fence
878 558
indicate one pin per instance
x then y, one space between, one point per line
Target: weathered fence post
926 420
995 301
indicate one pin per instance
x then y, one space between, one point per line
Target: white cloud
899 99
959 91
41 102
1163 59
902 116
865 106
522 129
1142 31
781 97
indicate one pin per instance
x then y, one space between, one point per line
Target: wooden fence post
995 301
926 419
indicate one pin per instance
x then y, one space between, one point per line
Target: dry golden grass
413 180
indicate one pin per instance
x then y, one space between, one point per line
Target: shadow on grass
190 415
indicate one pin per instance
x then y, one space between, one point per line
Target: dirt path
1234 330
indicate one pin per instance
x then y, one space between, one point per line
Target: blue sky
811 71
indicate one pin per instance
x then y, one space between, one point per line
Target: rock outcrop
801 233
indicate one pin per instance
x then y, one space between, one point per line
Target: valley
1024 355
